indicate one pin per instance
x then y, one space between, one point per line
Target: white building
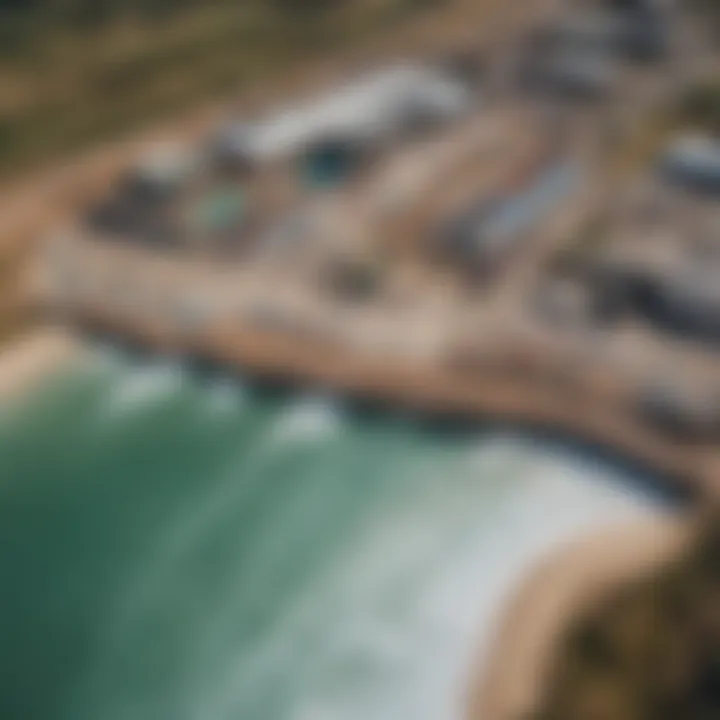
694 160
375 107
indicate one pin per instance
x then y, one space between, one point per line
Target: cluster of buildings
650 273
660 257
486 235
581 55
228 190
248 173
323 213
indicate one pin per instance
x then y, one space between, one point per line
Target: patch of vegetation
700 105
710 11
651 652
72 71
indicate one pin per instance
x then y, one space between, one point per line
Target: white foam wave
310 420
225 397
143 386
394 625
107 355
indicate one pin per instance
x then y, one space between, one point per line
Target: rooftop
375 105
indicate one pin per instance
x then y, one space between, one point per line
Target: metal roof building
491 228
375 107
690 304
694 161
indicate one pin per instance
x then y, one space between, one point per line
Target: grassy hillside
74 70
652 652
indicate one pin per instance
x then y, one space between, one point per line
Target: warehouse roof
694 153
377 104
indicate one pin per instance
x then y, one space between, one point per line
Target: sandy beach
34 356
567 584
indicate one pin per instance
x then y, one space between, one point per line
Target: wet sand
34 356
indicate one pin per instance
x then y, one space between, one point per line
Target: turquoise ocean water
178 548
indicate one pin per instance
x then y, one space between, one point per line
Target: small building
693 162
598 30
689 304
576 72
579 55
228 150
376 108
666 285
575 57
684 414
466 64
631 29
160 173
138 206
647 35
118 218
491 229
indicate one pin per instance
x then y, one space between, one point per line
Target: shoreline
562 587
47 350
528 402
550 593
434 406
642 473
36 355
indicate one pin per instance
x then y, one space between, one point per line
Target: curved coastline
50 349
33 357
437 395
561 586
567 584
